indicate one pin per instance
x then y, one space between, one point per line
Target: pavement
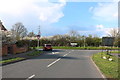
55 64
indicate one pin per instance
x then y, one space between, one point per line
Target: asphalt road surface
55 64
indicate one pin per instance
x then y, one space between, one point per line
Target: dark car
47 47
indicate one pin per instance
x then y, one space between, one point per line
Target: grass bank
35 53
118 52
11 60
84 48
109 68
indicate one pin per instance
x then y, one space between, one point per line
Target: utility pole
84 41
38 36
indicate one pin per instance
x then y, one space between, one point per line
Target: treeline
19 32
64 40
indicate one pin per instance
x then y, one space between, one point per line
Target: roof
2 26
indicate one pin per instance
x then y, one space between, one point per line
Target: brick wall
4 50
15 49
21 49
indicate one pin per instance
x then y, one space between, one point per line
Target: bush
22 43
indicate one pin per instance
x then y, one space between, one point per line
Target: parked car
47 47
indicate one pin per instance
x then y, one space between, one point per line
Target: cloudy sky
61 16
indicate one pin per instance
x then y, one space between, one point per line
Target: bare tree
19 31
113 32
73 33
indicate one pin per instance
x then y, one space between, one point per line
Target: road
55 64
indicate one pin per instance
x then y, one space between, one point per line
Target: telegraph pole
38 36
84 41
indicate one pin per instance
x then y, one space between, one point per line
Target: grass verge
88 48
11 60
35 53
83 48
109 68
118 52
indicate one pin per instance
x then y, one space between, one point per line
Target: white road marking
55 52
65 55
53 62
30 77
56 60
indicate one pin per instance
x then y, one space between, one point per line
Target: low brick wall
21 50
14 50
4 50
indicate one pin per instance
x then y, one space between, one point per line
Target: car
47 47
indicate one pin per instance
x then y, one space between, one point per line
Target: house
2 28
7 47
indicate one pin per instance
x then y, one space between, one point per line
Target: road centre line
53 62
65 55
30 77
56 61
55 52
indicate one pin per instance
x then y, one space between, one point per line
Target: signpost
38 36
107 41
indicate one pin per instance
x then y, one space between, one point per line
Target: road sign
38 36
108 41
73 44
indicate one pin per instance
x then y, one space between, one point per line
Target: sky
61 16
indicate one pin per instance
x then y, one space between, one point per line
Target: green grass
11 60
108 68
35 53
115 52
87 48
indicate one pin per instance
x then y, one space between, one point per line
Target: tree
7 37
73 35
113 32
89 40
19 31
31 34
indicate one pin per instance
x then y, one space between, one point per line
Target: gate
10 50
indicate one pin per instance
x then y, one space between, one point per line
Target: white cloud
43 10
100 26
99 30
105 11
102 29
